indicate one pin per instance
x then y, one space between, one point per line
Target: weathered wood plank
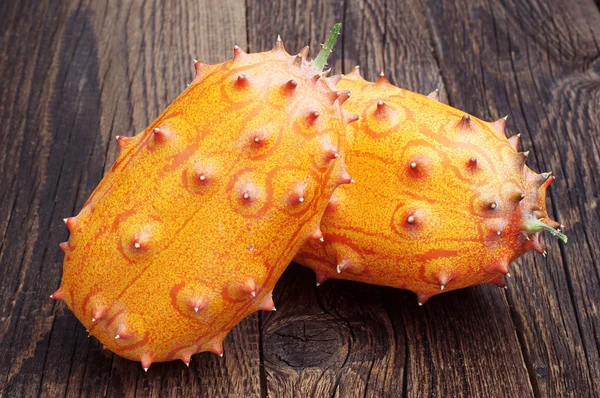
75 74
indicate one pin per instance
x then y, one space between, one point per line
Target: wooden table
73 74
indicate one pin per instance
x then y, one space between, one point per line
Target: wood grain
77 73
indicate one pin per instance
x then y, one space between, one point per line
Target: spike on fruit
514 141
343 96
278 44
382 109
123 142
297 61
320 278
355 74
500 124
197 304
238 53
63 246
381 80
423 298
312 117
70 223
345 177
333 96
201 70
465 122
304 53
317 234
146 361
159 135
98 313
249 287
267 303
242 81
434 95
216 347
58 295
290 86
186 358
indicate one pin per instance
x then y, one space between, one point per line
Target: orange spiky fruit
442 200
202 211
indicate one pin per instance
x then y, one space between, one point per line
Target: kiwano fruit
442 200
203 210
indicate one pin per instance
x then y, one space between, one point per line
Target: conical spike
345 177
514 141
146 361
63 246
382 79
304 53
343 96
355 72
267 303
216 347
70 223
98 313
123 142
237 53
58 294
186 357
315 78
422 298
443 280
317 234
382 109
159 135
249 287
500 124
197 303
278 44
332 96
290 86
312 117
297 61
553 224
201 69
434 95
465 122
503 267
518 196
522 158
320 278
342 265
549 180
242 81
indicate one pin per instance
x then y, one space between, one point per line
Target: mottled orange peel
443 200
194 223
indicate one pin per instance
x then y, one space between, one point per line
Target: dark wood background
73 74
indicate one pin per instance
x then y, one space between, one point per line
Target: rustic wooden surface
73 74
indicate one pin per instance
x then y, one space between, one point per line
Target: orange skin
203 210
437 201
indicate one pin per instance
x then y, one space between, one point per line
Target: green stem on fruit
321 60
534 225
